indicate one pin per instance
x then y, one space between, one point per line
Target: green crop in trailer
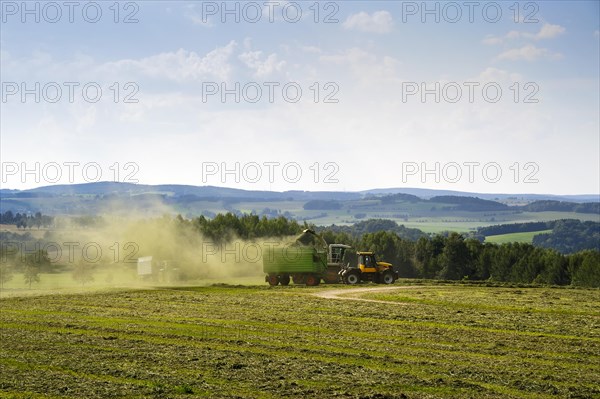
294 259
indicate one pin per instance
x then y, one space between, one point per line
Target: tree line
450 256
374 225
225 227
562 206
29 263
21 253
22 220
570 236
454 257
38 220
476 204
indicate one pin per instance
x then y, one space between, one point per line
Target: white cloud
491 40
513 34
528 53
181 65
378 22
262 68
548 31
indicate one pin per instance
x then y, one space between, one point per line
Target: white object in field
144 266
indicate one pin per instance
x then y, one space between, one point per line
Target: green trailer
304 261
307 260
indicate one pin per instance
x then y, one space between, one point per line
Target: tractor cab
337 252
367 262
336 259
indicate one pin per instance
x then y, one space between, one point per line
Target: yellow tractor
368 269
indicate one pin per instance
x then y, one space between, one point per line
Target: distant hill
471 204
103 188
562 206
426 193
433 209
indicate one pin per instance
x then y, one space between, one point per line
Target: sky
494 97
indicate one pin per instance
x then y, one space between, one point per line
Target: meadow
417 341
515 237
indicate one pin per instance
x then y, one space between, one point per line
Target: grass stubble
430 341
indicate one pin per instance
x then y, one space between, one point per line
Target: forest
446 256
450 256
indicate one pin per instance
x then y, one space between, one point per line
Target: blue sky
373 136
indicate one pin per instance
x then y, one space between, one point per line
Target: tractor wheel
312 280
352 278
387 277
273 280
298 279
284 280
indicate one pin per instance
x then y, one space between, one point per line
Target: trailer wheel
273 280
312 280
387 277
284 280
352 278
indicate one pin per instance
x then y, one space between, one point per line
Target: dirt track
353 294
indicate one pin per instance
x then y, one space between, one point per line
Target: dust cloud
124 247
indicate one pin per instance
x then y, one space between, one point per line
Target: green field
419 341
110 279
515 237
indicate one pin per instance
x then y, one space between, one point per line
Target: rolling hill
425 209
